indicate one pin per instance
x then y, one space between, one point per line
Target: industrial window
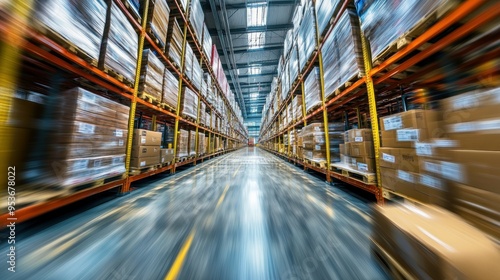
256 14
254 96
254 70
256 40
253 110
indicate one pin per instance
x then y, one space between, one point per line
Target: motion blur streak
274 223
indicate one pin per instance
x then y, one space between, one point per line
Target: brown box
360 135
144 161
364 164
472 140
389 157
145 151
388 178
362 149
472 106
166 155
400 158
342 148
434 190
432 243
144 137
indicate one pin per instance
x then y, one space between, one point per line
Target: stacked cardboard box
158 20
297 107
166 156
182 146
146 147
432 243
192 143
400 164
88 139
174 42
170 90
312 90
315 145
470 163
300 144
190 103
152 75
201 144
357 152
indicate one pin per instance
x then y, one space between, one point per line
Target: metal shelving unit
50 52
470 16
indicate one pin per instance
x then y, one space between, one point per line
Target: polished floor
245 215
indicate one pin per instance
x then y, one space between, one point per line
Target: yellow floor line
174 271
222 196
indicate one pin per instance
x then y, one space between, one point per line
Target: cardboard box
166 155
474 140
388 178
359 135
142 162
144 137
342 149
400 158
364 164
434 190
145 151
472 106
432 243
362 149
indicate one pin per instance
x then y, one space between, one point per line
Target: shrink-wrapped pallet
207 43
88 138
158 16
182 149
152 75
306 38
170 90
190 103
79 22
174 42
325 10
192 143
201 144
188 62
312 89
293 66
120 45
196 18
342 53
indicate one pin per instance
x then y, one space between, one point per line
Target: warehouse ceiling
250 50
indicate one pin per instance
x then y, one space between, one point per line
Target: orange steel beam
32 211
465 29
462 11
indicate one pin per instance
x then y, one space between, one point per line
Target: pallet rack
54 54
469 16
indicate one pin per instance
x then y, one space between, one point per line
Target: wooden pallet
149 98
166 163
155 38
167 107
118 76
346 171
137 171
314 108
133 12
181 159
344 86
397 197
318 164
417 30
389 263
313 54
65 43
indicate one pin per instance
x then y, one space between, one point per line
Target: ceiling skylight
254 70
256 14
256 40
254 96
253 110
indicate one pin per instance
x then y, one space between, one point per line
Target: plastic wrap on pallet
197 73
297 107
207 43
324 12
88 138
203 118
312 89
174 46
208 79
152 74
201 144
196 18
170 90
293 65
122 44
342 53
284 83
297 16
215 60
79 22
306 39
182 149
158 16
188 62
190 103
192 143
287 44
385 21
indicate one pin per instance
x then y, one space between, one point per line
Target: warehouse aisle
245 215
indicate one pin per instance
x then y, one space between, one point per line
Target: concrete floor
245 215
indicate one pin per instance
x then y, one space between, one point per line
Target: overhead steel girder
265 28
257 75
239 6
255 85
258 63
263 49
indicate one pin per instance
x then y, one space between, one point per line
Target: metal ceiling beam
273 47
270 28
257 63
239 6
255 85
262 92
257 75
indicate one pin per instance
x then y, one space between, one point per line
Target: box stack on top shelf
81 23
120 45
382 24
88 138
207 43
170 90
174 42
297 107
325 10
196 18
146 147
312 90
293 65
197 74
201 144
188 62
306 37
343 53
190 103
157 23
152 76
